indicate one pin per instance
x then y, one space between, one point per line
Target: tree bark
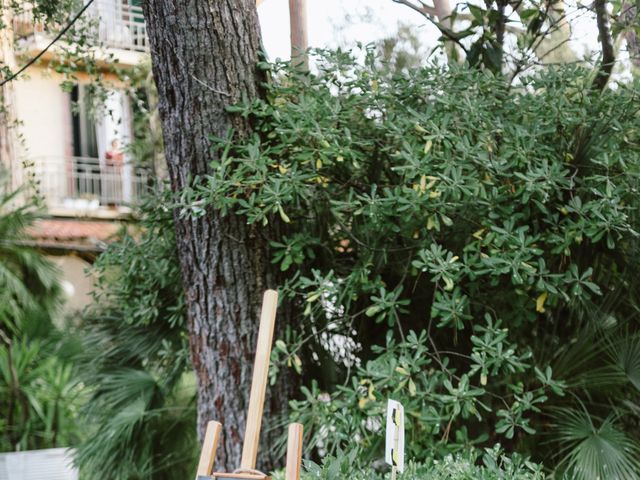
606 41
160 172
629 19
204 55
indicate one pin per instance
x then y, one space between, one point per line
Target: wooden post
209 447
254 415
259 382
294 451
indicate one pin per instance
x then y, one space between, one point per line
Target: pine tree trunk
204 55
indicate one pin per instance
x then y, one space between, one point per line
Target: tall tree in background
205 55
299 32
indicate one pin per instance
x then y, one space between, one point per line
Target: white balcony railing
86 184
120 24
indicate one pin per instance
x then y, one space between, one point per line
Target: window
86 167
85 142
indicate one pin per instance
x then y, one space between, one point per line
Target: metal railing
24 23
83 183
119 24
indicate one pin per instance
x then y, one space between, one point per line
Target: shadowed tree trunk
630 19
204 55
603 73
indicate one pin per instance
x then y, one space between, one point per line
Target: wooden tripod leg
259 382
209 447
294 451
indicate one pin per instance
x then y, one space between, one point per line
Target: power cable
56 38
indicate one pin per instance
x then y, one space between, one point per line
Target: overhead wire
60 34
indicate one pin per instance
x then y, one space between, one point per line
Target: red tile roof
73 233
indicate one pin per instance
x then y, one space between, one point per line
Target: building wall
44 110
47 132
77 284
42 107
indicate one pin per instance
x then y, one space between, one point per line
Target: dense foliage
29 286
496 222
39 396
141 410
455 242
492 465
460 245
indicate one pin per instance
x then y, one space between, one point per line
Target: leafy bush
30 293
499 223
39 395
464 246
141 410
407 372
492 464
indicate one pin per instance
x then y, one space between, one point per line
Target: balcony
82 186
119 25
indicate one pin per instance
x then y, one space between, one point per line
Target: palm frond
29 282
625 352
594 449
136 364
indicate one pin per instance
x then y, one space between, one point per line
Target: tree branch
70 24
423 9
608 49
431 14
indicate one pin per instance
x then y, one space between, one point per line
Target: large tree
205 55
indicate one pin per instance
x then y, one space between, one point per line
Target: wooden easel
254 415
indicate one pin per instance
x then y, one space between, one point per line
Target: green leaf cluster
490 464
39 395
497 222
140 413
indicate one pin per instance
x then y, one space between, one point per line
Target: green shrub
463 246
39 394
141 411
499 223
492 464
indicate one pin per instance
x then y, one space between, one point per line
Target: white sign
52 464
394 450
